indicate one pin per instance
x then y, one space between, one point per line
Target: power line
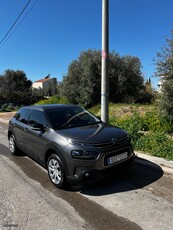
20 22
15 22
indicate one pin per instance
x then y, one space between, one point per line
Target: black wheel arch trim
52 148
10 131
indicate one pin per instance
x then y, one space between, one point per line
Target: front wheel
12 145
56 171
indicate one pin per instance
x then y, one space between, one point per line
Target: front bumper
84 175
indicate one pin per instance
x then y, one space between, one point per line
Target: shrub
133 124
156 123
53 100
148 133
157 144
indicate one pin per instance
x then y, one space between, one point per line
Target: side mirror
99 117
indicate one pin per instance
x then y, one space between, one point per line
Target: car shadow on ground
141 174
6 152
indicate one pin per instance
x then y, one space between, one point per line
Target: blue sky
54 33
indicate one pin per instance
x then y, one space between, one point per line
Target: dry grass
119 110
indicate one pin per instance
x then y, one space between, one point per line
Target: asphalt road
139 199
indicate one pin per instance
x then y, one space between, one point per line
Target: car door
20 127
36 139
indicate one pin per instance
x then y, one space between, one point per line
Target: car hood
93 133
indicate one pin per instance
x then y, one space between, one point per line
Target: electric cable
15 22
5 40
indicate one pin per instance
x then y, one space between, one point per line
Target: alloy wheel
55 171
12 144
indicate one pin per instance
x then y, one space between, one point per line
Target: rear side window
37 117
23 115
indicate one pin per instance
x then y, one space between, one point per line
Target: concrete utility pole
105 60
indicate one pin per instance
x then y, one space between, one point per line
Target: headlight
80 154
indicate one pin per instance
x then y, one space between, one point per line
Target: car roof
51 106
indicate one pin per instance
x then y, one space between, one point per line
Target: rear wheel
12 145
56 171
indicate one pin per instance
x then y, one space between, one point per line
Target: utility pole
105 60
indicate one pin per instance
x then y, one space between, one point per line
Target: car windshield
62 118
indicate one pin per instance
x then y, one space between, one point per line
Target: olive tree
82 84
164 67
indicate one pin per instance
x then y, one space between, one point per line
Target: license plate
117 158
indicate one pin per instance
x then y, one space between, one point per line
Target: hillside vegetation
121 110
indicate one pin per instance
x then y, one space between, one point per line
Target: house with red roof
44 83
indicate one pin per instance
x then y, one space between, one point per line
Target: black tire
56 171
12 145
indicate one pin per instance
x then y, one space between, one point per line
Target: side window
37 117
23 115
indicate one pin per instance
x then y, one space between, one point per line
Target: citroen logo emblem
114 141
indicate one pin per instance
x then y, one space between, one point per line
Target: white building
160 83
45 83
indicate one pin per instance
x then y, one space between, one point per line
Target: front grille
109 144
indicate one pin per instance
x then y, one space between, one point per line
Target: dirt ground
6 115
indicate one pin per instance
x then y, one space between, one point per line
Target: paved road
141 199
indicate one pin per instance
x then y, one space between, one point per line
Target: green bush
149 133
157 144
53 100
133 124
156 123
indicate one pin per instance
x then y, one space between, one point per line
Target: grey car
70 142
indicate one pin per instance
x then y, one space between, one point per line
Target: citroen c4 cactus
70 142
